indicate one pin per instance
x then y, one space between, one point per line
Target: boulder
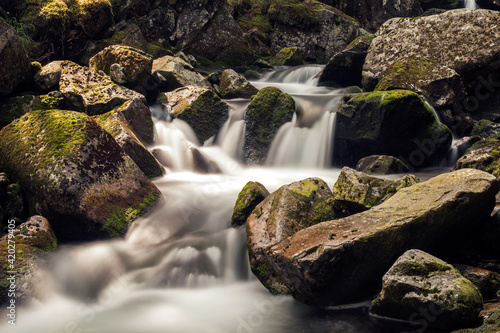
381 165
48 78
249 197
201 108
418 280
139 118
89 92
13 203
396 123
486 281
66 157
490 325
233 85
441 85
266 113
288 56
126 66
345 68
483 155
177 73
115 124
340 261
283 213
14 60
32 240
485 128
355 191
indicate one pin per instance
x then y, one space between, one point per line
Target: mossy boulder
291 208
441 85
418 280
177 73
114 123
48 77
67 158
33 239
89 92
267 112
288 56
490 325
139 118
396 123
485 128
234 85
486 281
483 155
201 108
249 197
355 191
126 66
343 260
14 60
345 68
381 165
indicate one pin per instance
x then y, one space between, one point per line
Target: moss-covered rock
381 165
396 123
138 116
89 92
177 73
233 85
345 68
32 240
355 191
419 280
201 108
291 208
115 124
342 260
267 112
249 197
67 158
490 325
483 155
287 56
485 128
14 60
486 281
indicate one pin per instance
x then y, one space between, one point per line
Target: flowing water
471 4
182 268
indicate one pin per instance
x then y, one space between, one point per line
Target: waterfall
471 4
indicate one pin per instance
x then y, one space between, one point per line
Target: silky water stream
182 268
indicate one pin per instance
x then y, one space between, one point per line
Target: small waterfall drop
471 4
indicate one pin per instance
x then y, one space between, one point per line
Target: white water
471 4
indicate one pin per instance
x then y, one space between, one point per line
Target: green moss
364 39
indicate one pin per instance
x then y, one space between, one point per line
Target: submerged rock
233 85
177 73
265 114
283 213
90 92
381 165
249 197
65 157
340 260
418 280
201 108
355 191
396 123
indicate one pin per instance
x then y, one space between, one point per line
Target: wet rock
355 191
233 85
89 92
33 239
288 56
483 155
381 165
127 66
484 128
177 73
345 68
48 78
396 123
14 59
267 112
115 124
249 197
66 157
202 162
340 261
486 281
201 108
283 213
418 280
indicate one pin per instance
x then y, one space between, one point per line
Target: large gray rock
14 60
381 165
178 73
336 261
418 280
233 85
396 123
48 78
486 281
283 213
89 92
482 155
65 157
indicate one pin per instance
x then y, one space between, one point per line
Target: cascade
471 4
